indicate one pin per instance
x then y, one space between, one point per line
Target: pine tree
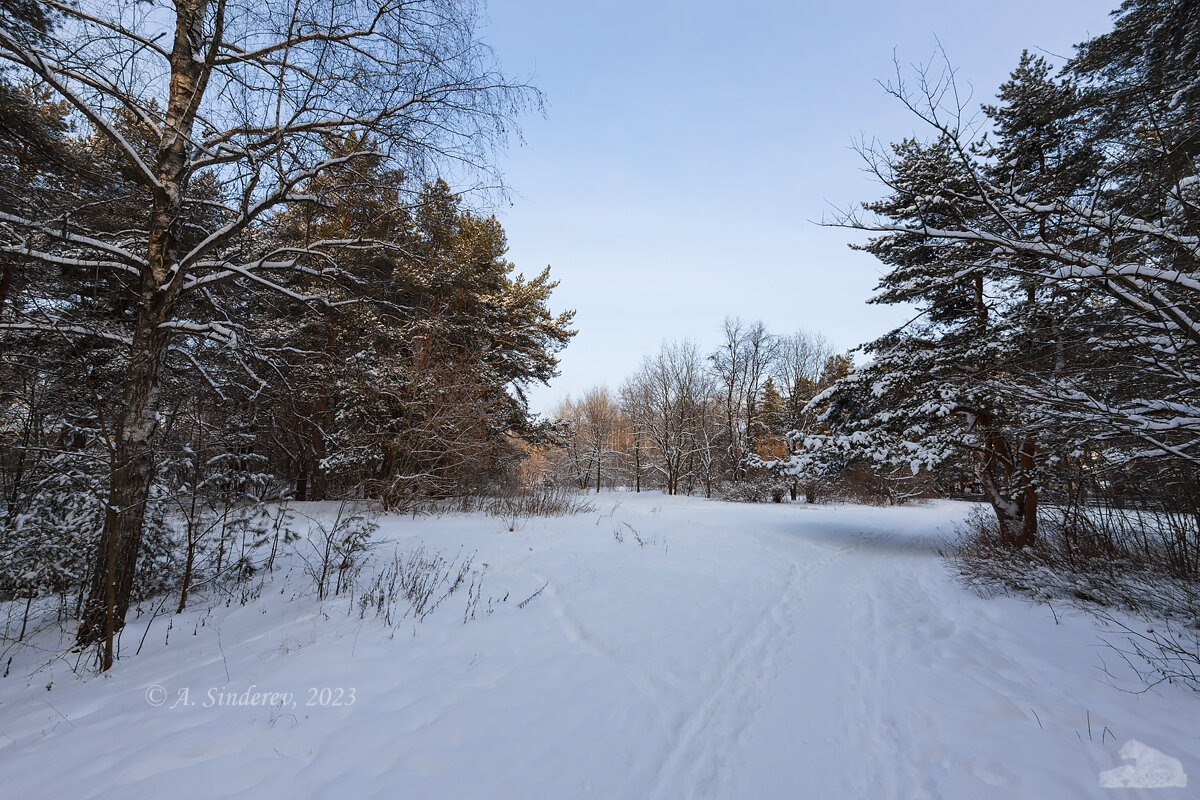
766 434
1054 263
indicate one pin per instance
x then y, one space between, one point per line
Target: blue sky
689 149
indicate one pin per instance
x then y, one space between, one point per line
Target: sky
689 151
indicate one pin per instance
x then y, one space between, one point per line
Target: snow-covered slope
739 651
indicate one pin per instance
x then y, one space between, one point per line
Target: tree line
687 422
233 267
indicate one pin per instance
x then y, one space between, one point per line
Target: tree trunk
131 465
316 485
1017 519
637 468
1008 481
1029 500
130 475
188 564
319 486
5 283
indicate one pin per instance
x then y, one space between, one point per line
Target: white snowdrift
767 651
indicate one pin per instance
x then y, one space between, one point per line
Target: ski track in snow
768 652
697 759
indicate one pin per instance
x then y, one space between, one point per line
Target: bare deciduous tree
594 438
740 364
801 356
668 400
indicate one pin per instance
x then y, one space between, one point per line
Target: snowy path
813 689
743 652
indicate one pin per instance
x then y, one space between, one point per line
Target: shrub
1118 566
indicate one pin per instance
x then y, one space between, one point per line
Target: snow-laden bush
755 490
47 544
746 491
1120 565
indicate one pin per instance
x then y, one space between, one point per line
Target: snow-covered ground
766 651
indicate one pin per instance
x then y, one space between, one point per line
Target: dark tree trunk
637 468
1029 499
130 474
188 564
318 485
5 283
1016 508
131 465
